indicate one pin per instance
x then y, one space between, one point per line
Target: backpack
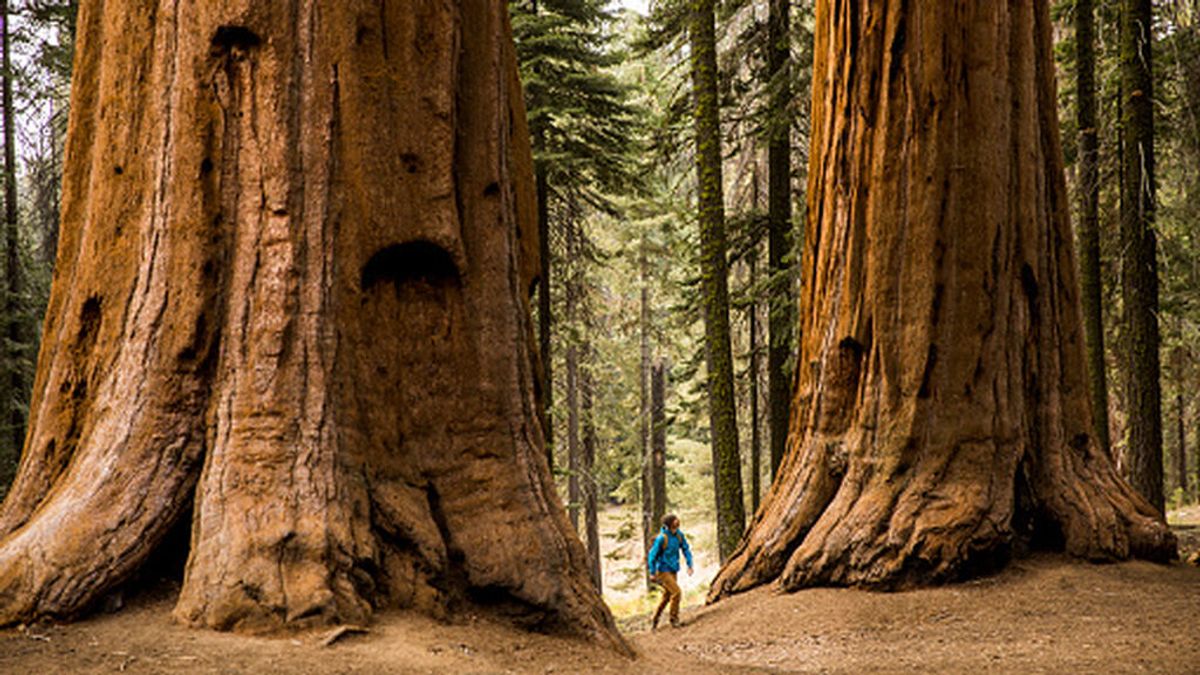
662 547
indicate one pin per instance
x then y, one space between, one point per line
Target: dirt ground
1043 614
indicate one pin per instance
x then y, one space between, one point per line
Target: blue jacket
664 552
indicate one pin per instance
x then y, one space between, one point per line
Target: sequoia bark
298 239
941 414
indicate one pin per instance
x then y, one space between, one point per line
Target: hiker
664 566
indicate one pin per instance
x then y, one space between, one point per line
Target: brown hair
668 519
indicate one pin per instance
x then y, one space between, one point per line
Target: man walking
664 566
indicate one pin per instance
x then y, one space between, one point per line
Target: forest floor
1043 614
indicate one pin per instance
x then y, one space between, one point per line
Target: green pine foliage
42 33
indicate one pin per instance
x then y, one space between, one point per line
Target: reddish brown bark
941 414
297 243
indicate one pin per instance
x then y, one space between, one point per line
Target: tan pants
671 594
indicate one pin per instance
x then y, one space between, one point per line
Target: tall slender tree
753 368
591 519
658 441
545 314
573 290
1139 258
581 129
727 479
13 353
574 458
1181 473
649 524
1089 215
779 214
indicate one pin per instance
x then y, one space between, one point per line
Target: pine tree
1139 261
14 357
580 126
1089 217
727 480
779 199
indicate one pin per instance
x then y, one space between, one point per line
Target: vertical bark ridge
133 461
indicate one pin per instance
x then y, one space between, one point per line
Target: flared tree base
291 299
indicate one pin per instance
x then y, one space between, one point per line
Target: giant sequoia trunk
298 242
941 410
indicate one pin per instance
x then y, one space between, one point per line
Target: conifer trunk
779 216
1089 217
591 515
574 496
574 293
545 316
714 282
13 352
658 442
1139 259
1181 463
755 437
649 525
941 415
292 297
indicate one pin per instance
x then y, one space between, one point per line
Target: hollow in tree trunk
298 241
941 413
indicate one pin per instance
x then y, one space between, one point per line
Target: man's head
671 522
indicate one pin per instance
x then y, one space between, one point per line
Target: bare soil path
1044 614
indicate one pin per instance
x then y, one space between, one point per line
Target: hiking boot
675 622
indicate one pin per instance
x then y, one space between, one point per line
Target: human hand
691 571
